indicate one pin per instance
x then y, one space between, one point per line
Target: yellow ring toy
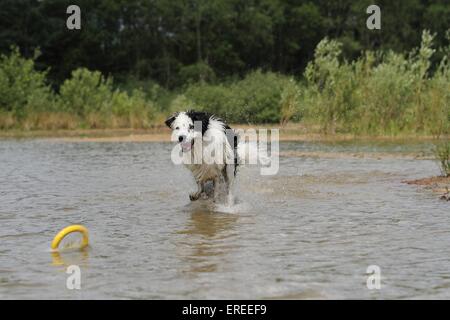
73 228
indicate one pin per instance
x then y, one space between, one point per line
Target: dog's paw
194 196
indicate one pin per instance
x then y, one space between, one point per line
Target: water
309 232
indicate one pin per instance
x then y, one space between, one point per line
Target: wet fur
224 137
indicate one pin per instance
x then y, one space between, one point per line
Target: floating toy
70 229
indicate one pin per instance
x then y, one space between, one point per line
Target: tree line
175 42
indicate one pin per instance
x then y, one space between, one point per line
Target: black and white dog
209 149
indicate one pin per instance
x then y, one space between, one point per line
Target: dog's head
187 127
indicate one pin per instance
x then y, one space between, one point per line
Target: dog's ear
201 116
171 119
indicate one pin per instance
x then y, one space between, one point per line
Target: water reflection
205 242
65 258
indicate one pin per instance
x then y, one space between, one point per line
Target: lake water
308 232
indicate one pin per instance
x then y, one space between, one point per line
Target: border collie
209 149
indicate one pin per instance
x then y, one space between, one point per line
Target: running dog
209 147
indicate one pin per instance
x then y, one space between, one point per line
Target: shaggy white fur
207 151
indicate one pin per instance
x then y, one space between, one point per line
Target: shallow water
311 231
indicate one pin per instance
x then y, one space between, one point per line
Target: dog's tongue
186 146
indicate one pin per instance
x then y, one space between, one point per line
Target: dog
209 150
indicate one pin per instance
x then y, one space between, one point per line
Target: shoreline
290 132
437 184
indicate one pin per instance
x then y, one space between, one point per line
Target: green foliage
181 102
158 39
255 99
442 152
22 87
86 91
385 95
379 93
91 96
86 99
290 102
330 85
198 72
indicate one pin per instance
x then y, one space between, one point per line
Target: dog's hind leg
195 195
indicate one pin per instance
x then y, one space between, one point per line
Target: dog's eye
191 126
177 128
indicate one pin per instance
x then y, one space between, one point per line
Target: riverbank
160 133
439 185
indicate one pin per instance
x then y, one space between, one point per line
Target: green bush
198 72
330 86
23 89
211 98
442 152
437 97
132 110
379 93
384 97
255 99
291 102
85 92
181 102
91 96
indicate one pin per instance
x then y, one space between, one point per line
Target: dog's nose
181 138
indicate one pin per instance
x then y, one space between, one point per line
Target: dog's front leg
195 195
216 182
229 174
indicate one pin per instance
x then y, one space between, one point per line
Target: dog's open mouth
186 146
